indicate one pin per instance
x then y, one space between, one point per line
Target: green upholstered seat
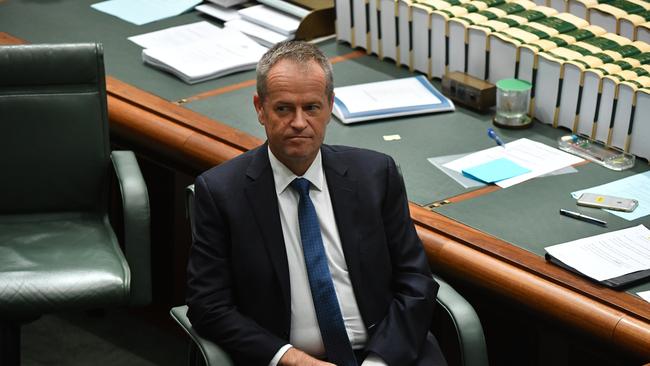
58 250
61 260
455 312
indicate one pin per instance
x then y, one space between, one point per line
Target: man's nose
300 120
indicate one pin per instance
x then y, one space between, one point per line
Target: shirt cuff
278 355
373 360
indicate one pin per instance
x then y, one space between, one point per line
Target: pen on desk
493 135
582 217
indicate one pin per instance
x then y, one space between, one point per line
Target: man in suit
296 220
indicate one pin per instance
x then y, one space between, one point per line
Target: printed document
608 255
389 98
387 95
270 18
177 36
263 36
199 51
540 159
216 11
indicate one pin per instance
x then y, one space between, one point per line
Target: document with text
538 158
608 255
388 98
199 51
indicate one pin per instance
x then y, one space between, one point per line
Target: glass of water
513 98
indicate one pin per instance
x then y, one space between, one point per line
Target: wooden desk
170 131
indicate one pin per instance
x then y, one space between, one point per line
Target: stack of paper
614 259
199 51
227 3
220 12
266 25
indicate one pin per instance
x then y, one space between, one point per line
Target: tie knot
301 185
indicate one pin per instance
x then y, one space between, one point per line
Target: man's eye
282 109
313 108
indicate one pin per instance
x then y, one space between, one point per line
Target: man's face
295 112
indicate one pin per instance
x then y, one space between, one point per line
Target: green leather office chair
58 250
453 310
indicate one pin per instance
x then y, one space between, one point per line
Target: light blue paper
495 170
636 186
466 182
145 11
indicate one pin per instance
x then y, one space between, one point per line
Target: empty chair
58 250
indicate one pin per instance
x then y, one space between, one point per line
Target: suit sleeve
212 310
407 321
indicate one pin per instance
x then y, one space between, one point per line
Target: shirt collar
283 176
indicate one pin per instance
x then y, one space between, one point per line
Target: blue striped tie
337 345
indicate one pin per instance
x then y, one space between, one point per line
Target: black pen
582 217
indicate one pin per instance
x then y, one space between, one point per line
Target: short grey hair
299 52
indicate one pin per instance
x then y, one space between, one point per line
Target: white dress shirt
305 332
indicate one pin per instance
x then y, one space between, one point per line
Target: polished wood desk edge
455 260
179 115
528 261
8 39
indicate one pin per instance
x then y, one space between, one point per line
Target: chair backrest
54 142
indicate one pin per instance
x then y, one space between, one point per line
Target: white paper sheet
199 51
271 19
227 3
388 94
177 36
607 255
464 181
263 36
645 295
540 159
218 12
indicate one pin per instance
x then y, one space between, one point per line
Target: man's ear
259 108
331 107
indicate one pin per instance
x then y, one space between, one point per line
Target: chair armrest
137 242
212 354
468 326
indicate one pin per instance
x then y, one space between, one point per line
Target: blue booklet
391 98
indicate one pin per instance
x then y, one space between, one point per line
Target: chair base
9 344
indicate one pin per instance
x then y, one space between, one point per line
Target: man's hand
296 357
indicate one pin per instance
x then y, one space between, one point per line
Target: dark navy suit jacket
238 277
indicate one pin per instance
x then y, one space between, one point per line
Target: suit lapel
263 200
344 196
